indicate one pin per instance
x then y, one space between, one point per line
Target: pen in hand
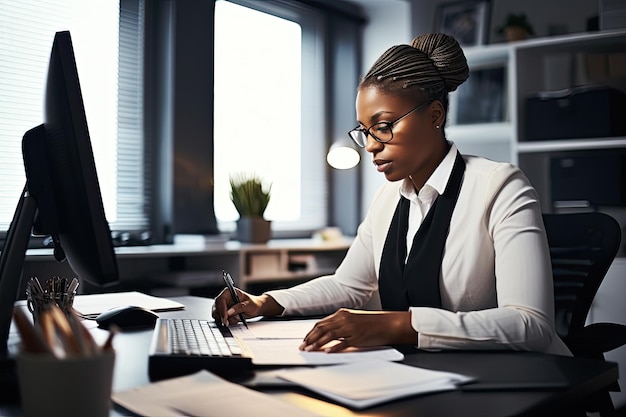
231 288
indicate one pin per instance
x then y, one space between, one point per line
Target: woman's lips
381 165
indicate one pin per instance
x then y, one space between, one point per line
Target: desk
583 377
192 263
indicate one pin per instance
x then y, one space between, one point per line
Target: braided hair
432 65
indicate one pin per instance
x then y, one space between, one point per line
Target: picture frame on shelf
466 21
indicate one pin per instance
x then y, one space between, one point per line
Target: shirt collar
438 179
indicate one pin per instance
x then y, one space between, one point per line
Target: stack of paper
202 394
363 384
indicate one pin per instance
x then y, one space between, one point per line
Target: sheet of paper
282 329
202 394
277 342
286 352
366 383
94 304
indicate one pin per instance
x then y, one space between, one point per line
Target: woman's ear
437 113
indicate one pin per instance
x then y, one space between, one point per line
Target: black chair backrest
582 248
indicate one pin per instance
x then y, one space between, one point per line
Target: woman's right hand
226 310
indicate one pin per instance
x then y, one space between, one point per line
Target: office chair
582 247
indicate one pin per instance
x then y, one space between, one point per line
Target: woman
454 244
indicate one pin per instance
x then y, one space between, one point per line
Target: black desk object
509 383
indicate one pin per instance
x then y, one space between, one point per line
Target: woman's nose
372 144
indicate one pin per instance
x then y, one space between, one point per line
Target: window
108 48
130 54
268 88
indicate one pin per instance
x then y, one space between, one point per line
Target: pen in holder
56 291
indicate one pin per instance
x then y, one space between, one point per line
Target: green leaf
248 195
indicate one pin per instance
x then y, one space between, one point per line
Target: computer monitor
61 197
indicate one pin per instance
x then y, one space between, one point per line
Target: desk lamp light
343 155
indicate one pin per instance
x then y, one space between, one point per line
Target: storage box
581 112
591 178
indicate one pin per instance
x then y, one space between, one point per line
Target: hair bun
447 56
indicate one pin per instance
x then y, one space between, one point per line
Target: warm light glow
343 157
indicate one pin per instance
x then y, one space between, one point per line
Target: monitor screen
62 195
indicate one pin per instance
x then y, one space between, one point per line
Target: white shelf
480 132
487 55
574 41
571 145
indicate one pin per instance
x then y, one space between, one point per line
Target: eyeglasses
381 131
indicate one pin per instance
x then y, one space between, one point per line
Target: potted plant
250 200
516 27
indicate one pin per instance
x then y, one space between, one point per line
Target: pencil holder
76 386
56 291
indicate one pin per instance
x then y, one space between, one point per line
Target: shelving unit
530 67
525 64
565 62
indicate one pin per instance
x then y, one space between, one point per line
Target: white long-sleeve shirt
496 278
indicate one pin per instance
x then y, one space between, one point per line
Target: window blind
133 200
28 28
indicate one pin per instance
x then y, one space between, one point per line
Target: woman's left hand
360 328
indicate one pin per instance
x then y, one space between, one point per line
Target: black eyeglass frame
367 132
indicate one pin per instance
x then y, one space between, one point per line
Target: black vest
416 284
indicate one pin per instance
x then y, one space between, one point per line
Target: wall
389 23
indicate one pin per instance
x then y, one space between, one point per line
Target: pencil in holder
56 291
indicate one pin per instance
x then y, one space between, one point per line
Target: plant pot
515 33
254 230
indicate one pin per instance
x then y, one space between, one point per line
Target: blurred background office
180 95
